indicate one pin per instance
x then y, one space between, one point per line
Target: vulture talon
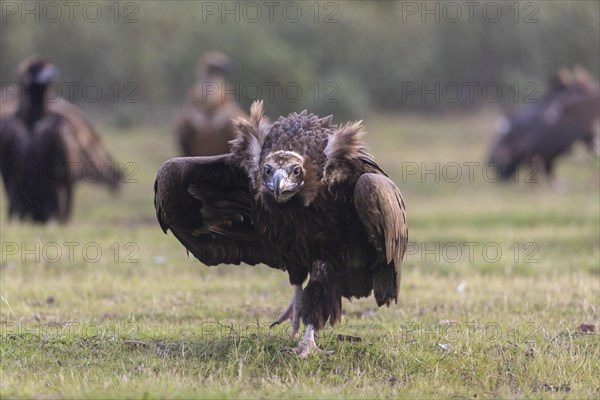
307 345
305 349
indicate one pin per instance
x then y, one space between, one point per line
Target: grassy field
496 284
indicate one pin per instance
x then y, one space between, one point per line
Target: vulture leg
308 344
592 144
595 147
64 206
321 301
557 184
292 312
538 164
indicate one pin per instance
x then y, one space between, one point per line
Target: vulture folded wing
91 157
381 211
205 202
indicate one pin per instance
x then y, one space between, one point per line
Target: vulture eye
267 169
297 170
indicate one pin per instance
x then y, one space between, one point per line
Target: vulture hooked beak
48 74
282 186
229 66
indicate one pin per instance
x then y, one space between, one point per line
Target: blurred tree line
341 57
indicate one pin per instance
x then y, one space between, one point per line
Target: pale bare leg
292 312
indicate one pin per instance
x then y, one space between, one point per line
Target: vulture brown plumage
301 195
540 132
46 146
205 125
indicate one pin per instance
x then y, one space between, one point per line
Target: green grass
468 325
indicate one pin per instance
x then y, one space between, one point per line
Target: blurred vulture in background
299 194
205 125
46 145
538 133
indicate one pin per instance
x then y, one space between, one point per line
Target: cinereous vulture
46 144
540 132
205 124
299 194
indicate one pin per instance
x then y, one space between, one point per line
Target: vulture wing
89 148
206 203
9 101
381 211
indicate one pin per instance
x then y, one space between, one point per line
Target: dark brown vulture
45 146
540 132
301 195
205 125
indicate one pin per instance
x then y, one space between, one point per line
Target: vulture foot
307 345
292 312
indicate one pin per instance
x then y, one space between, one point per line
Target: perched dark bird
540 132
299 194
205 125
45 146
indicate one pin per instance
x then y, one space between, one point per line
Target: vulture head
503 156
211 72
284 159
37 72
213 64
283 174
561 80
